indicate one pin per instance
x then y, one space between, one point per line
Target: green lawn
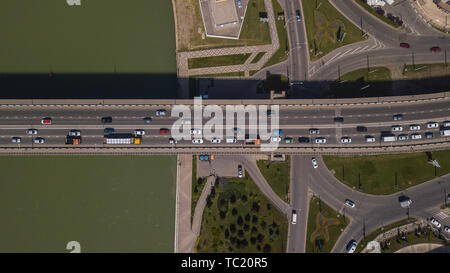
420 71
228 74
218 60
386 174
277 174
258 57
325 26
373 12
324 227
239 219
281 54
253 31
361 83
106 203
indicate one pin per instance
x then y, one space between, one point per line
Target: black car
106 119
338 119
147 119
298 15
303 139
361 129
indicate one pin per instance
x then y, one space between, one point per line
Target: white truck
445 131
388 138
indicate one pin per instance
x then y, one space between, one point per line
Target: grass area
273 82
361 83
281 54
387 174
106 203
371 10
253 72
324 227
253 31
217 75
258 57
239 219
197 186
277 174
218 60
421 71
325 27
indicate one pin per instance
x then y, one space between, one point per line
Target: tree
267 248
255 207
244 198
246 227
268 206
260 237
253 240
254 230
227 234
240 221
247 217
263 224
233 228
233 198
255 219
240 233
234 211
222 214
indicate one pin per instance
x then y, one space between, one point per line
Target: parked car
350 203
106 119
16 140
160 112
429 135
289 140
197 141
74 133
402 137
277 132
298 15
147 120
240 173
435 49
398 117
397 128
351 246
46 121
172 141
39 140
139 132
196 132
432 125
294 217
346 139
416 136
314 163
447 229
404 45
435 222
338 119
239 2
313 131
231 140
203 157
164 131
275 139
370 139
32 132
108 131
320 140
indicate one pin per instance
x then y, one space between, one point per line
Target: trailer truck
121 139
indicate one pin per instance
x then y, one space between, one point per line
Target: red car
46 121
404 45
164 131
435 49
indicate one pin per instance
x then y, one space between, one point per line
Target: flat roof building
224 12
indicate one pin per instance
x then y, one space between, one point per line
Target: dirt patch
186 22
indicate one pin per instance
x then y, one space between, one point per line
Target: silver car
32 132
16 139
39 140
74 133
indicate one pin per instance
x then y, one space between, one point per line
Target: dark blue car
109 131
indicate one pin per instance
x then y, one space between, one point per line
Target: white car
74 133
16 139
196 132
314 163
32 132
197 141
139 132
416 136
447 229
350 203
172 141
435 222
161 112
397 128
275 139
351 246
346 140
370 139
414 127
314 131
216 140
39 140
432 125
320 140
294 217
402 137
231 140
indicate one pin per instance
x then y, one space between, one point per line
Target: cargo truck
388 138
445 132
121 139
73 140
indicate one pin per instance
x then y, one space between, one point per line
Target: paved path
424 248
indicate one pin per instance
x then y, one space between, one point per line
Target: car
432 125
172 141
46 121
74 133
160 112
447 229
277 132
346 139
269 113
203 157
416 136
197 141
398 117
298 15
106 119
236 130
196 132
361 128
435 222
275 139
216 140
16 139
338 119
139 132
294 217
231 140
108 131
350 203
435 49
429 135
314 131
446 123
239 2
404 45
240 173
32 132
414 127
448 197
314 163
289 140
404 201
39 140
370 139
320 140
403 137
303 139
396 128
186 121
351 246
147 120
164 131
